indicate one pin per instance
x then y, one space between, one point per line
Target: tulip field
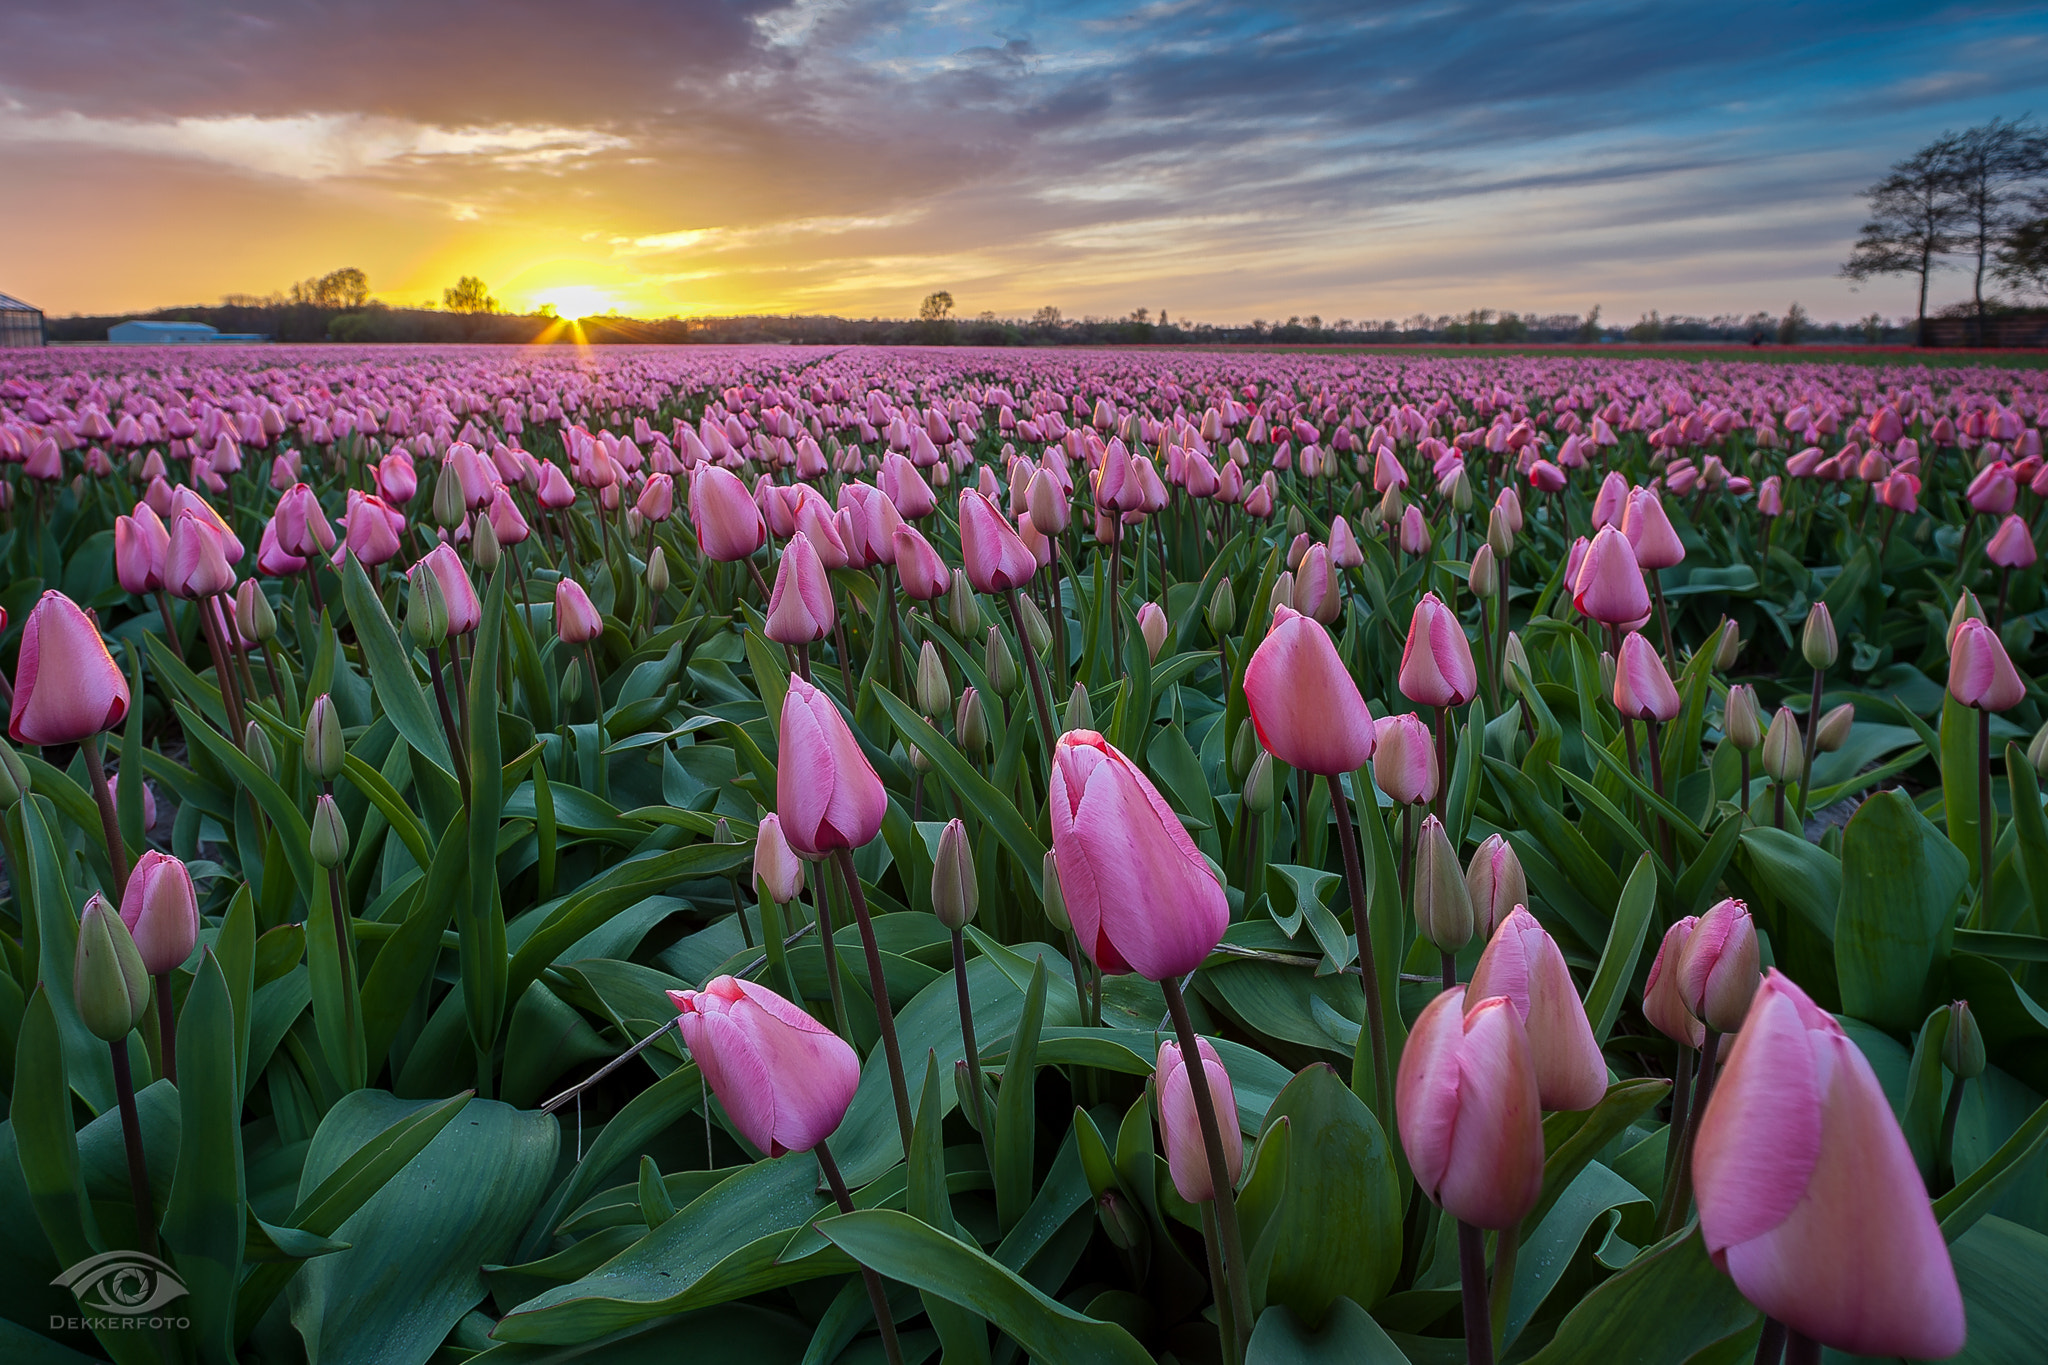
651 854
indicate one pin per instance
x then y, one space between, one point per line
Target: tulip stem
1681 1108
980 1115
1361 924
1745 783
1472 1290
1678 1189
110 818
1987 814
167 1029
1235 1282
885 1015
448 723
1801 1349
131 1135
1443 759
1507 1244
883 1317
1226 1321
163 606
1039 703
1657 786
821 900
1944 1150
1812 737
1770 1347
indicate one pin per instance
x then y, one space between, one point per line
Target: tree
346 288
1795 322
469 295
2023 259
936 307
1048 316
1589 330
1914 213
1987 166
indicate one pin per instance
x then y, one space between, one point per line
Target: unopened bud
448 505
1392 504
961 612
1740 720
657 572
256 745
1484 575
330 836
426 607
1126 1231
1817 641
1781 747
1036 628
2037 753
1443 903
1244 748
1500 534
1729 647
917 758
15 781
1258 784
1222 609
1496 883
253 615
1051 896
484 549
1296 523
109 983
1080 715
1967 608
324 754
970 723
1834 728
1000 665
955 893
721 832
1515 662
1458 488
1962 1051
934 690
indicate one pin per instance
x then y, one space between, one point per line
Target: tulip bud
1781 747
777 868
721 832
572 687
1080 715
1443 905
1000 665
1222 609
109 982
426 606
15 781
1152 625
1053 899
1244 748
1459 488
256 745
1962 1051
1484 575
1834 728
1729 647
448 503
1125 1229
1515 662
1607 670
1720 969
1296 524
324 753
657 572
955 893
330 836
1391 505
963 1079
1967 608
934 690
484 549
2037 754
961 612
1817 640
1496 883
1258 784
1036 628
970 723
253 616
1500 535
1739 718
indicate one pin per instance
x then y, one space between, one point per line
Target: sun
580 300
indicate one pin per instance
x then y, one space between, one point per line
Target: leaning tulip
196 564
66 685
1496 883
302 527
919 568
465 612
1979 673
784 1078
1436 663
1663 1002
1139 893
1404 759
657 500
109 980
1467 1110
776 865
1303 701
728 523
1187 1159
2012 546
1717 971
1152 625
800 609
825 791
1810 1198
1523 963
1650 533
1609 587
141 545
995 559
576 618
1642 689
161 911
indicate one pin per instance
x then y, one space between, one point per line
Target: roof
167 326
13 305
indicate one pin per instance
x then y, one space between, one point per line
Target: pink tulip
1414 537
185 500
1663 1004
141 546
555 491
302 527
270 559
1180 1128
195 565
1344 551
1901 493
1717 971
474 471
148 799
784 1078
1304 704
1152 625
508 524
1979 673
658 499
1993 491
800 609
1642 688
1404 759
1611 503
372 539
1141 896
920 568
465 612
825 790
1316 593
907 488
1809 1196
995 559
1436 663
1467 1110
1650 533
398 483
1770 497
161 911
576 618
1546 477
2012 546
83 692
1523 963
776 866
728 524
1609 588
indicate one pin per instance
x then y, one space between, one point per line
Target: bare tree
1914 214
2023 259
1987 167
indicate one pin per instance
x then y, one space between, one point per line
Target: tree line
1974 199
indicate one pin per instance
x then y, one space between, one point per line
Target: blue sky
1219 161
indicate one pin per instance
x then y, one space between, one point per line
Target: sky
1219 162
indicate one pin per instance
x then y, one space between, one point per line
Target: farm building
20 324
173 334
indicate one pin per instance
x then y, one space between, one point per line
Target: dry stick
1236 1283
885 1014
883 1317
1361 922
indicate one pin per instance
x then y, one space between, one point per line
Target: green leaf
1974 1196
963 1335
281 810
1016 1119
481 921
391 669
2000 1267
337 1002
46 1143
986 801
1572 1140
87 1063
899 1247
1959 761
1589 1193
1348 1336
1803 877
1670 1302
406 962
1625 937
1338 1231
649 1113
205 1224
1895 926
2030 828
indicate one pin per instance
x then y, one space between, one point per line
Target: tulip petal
1760 1137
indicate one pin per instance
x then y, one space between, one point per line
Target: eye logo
124 1282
